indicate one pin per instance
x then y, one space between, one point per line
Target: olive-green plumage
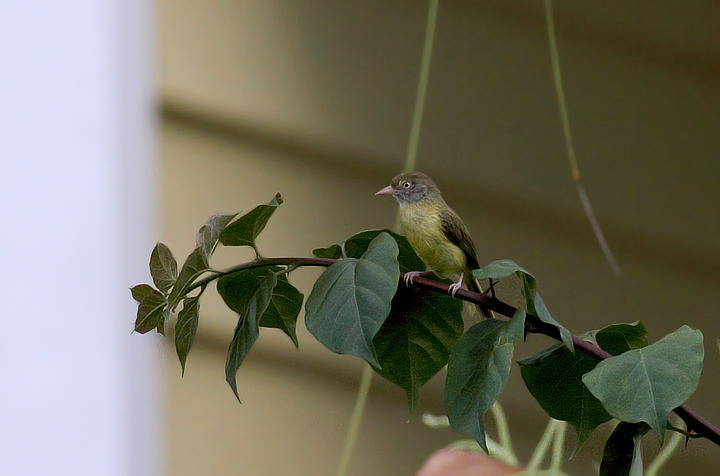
434 230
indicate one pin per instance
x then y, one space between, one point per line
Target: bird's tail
474 286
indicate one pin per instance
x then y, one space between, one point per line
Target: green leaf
515 328
237 289
186 328
351 300
619 338
499 269
331 252
285 304
415 341
533 303
477 372
643 385
544 315
554 377
160 329
244 230
284 308
151 312
141 290
209 234
163 267
194 266
358 244
248 293
623 450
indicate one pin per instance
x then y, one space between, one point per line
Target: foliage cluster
359 306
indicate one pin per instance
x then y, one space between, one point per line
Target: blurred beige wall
314 99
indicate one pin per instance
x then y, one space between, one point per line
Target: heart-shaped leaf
643 385
351 300
554 377
415 341
477 372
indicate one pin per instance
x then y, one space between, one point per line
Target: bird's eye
406 184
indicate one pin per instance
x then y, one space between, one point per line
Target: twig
694 422
534 325
258 263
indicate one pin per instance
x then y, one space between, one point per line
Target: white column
79 395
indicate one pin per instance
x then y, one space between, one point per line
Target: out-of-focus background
314 100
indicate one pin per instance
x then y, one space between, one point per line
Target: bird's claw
410 276
453 288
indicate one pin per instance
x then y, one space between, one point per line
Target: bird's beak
386 191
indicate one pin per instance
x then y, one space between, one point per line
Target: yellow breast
423 229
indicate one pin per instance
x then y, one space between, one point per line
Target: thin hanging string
569 143
367 375
422 87
355 420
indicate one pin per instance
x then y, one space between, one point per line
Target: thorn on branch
688 434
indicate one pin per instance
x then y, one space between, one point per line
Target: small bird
435 231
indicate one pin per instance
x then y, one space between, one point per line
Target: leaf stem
542 447
186 289
558 444
259 263
503 430
664 454
356 420
435 421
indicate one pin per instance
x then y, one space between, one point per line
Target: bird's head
411 187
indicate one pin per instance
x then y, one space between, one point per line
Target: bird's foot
453 288
410 276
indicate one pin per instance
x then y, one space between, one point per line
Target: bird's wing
455 230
